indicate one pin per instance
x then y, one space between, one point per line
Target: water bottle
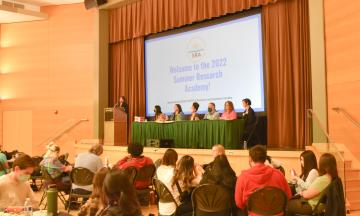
245 145
28 207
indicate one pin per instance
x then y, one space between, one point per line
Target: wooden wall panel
342 21
51 67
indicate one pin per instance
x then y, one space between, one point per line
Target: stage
237 158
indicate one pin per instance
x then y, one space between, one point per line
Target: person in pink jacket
229 113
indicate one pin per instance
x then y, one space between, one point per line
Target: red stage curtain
287 56
288 76
151 16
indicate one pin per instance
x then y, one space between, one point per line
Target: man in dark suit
250 119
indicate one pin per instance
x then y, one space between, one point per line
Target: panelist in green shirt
178 114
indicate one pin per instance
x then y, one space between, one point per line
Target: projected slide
211 64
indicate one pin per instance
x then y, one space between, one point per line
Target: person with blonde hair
90 160
57 170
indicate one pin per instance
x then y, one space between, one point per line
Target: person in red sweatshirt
258 176
137 160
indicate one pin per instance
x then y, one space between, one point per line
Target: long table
192 134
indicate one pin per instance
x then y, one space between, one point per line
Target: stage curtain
126 75
287 54
145 17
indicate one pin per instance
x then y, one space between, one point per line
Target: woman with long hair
119 196
165 173
93 204
328 172
159 115
178 114
229 113
309 171
186 177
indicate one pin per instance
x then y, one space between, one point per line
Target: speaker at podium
115 127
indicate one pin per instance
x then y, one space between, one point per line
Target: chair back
48 180
211 200
81 176
163 193
145 173
131 173
267 201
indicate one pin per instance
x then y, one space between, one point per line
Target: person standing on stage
248 114
178 114
212 113
194 115
229 113
121 104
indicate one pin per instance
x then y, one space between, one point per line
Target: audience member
222 174
159 116
212 114
276 164
194 109
186 178
309 171
258 176
137 160
165 174
119 196
92 162
215 151
178 114
57 170
328 172
4 166
229 113
15 186
92 206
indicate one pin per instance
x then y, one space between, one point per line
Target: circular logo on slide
196 49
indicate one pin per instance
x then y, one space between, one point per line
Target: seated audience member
165 174
212 114
194 109
186 178
15 186
215 151
222 174
248 114
178 114
258 176
4 166
58 171
92 205
92 162
119 196
137 160
309 171
159 116
229 113
328 172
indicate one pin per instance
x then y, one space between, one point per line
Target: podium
115 127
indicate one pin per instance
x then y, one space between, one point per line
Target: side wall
342 21
48 68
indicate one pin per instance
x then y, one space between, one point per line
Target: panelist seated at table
194 115
15 186
212 113
229 113
178 114
159 115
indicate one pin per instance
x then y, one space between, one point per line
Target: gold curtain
288 76
126 75
151 16
287 56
